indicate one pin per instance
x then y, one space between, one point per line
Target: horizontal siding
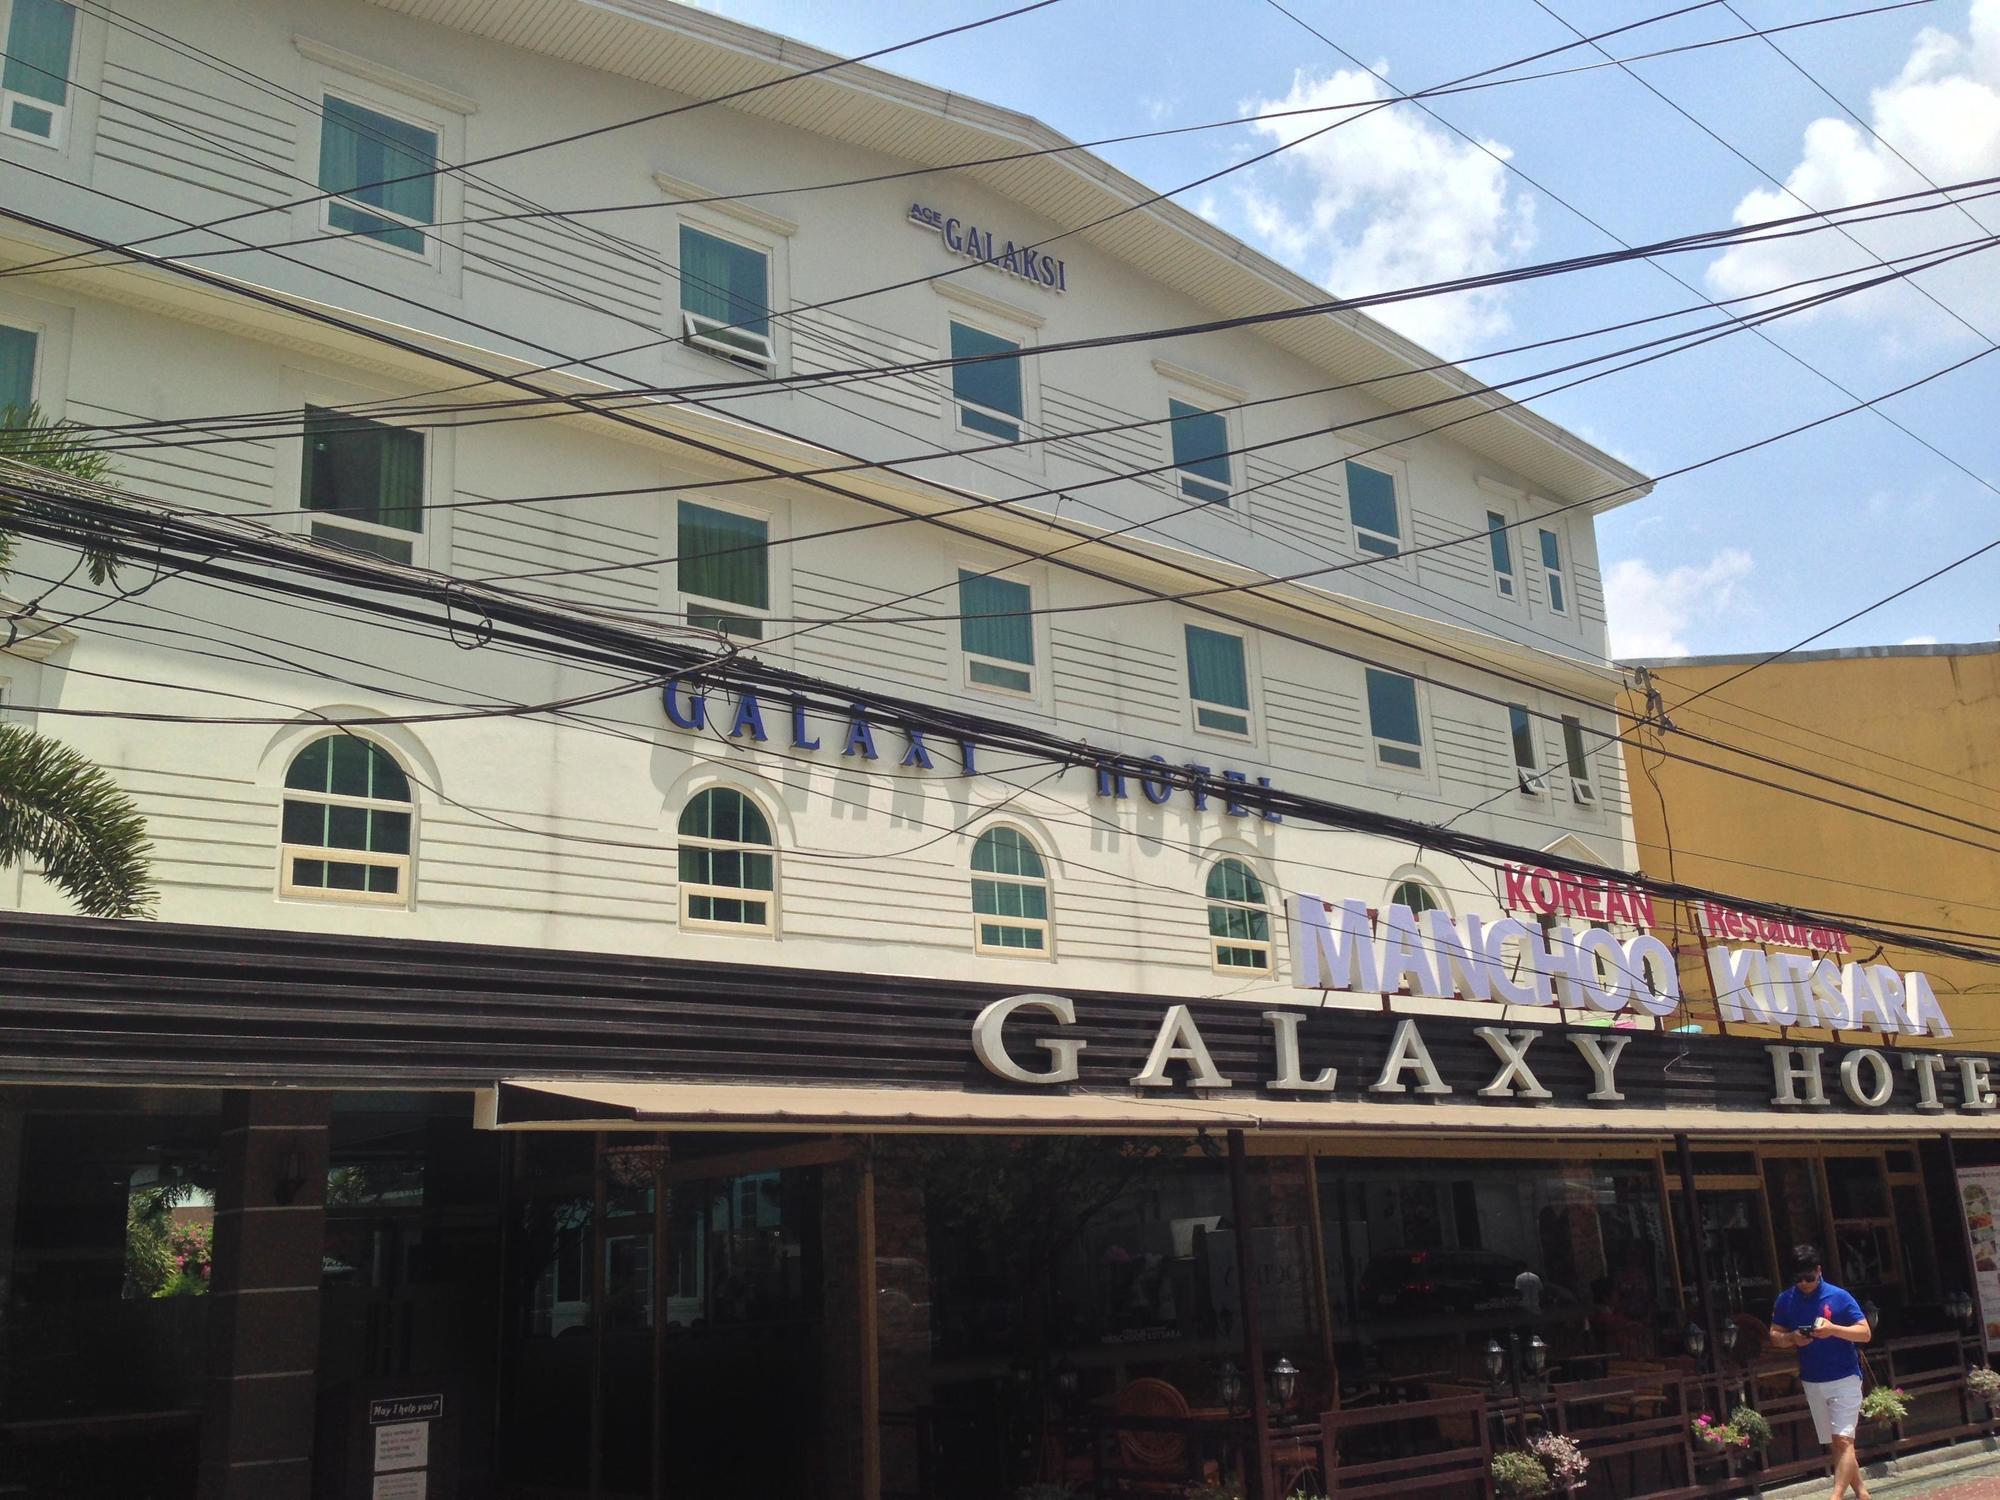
496 540
539 255
1316 721
1095 677
168 117
233 476
917 650
1310 509
826 340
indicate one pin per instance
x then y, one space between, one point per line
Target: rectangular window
34 85
725 570
17 372
1502 542
1579 767
1201 451
1371 505
383 171
988 393
1552 565
1522 727
996 633
368 474
1393 722
1217 681
726 298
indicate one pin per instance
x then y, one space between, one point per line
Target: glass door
1736 1236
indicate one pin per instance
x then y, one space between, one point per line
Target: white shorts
1835 1406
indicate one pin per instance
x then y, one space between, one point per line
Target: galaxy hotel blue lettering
747 717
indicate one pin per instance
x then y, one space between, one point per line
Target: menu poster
1979 1191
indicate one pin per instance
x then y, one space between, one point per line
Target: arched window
346 824
1010 894
728 861
1239 920
1415 895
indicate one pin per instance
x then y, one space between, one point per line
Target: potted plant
1885 1404
1751 1423
1519 1475
1562 1457
1716 1438
1984 1383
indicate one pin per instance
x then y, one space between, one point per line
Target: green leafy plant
1519 1475
1749 1421
1885 1404
1717 1437
1984 1382
37 452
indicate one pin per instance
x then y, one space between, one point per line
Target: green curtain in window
996 622
1524 736
1502 543
17 369
1215 668
39 38
995 384
1371 500
724 556
1201 442
370 158
725 281
367 470
1392 707
1573 744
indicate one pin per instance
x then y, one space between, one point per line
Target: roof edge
1836 653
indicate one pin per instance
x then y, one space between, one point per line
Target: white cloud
1920 640
1942 112
1650 611
1387 199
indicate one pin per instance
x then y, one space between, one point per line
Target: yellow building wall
1920 728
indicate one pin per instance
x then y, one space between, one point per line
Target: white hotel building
368 941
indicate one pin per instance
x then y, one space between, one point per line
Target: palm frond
63 813
64 452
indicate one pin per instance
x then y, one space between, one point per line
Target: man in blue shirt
1824 1324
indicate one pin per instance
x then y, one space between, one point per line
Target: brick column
263 1341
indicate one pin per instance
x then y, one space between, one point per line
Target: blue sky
1747 555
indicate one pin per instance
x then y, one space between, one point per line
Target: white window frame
1208 405
1217 944
430 547
404 896
433 245
754 229
1582 789
59 123
1559 573
687 889
695 326
1422 770
1507 586
1246 736
722 606
1529 778
1391 463
415 101
1037 670
1044 925
416 540
1001 320
35 373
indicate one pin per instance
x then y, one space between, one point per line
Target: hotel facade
546 1080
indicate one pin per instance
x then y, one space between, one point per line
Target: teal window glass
724 559
996 632
1371 504
1239 920
1502 542
17 371
1201 451
1217 680
727 287
1392 720
1573 749
1010 892
41 36
728 863
384 170
345 793
1521 728
988 393
1416 896
366 472
1552 564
